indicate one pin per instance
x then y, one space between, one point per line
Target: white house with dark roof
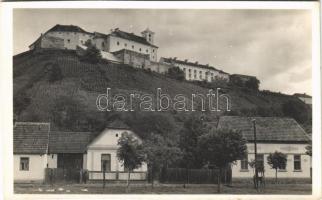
103 150
272 134
30 148
36 149
197 72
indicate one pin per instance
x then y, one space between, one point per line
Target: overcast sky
274 45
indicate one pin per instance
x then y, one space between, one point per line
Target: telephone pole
255 149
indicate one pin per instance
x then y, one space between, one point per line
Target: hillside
55 86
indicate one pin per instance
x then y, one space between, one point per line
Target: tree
277 160
252 83
221 147
193 127
130 152
297 110
91 54
159 153
176 73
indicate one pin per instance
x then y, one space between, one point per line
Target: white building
304 97
30 148
71 36
37 149
272 134
118 40
197 72
103 150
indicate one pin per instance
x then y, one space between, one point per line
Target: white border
6 88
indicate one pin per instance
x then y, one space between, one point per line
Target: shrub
176 73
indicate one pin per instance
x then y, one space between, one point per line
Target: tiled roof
30 138
68 28
195 64
130 36
302 95
268 129
99 35
69 142
117 124
242 75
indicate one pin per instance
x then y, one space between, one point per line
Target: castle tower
148 35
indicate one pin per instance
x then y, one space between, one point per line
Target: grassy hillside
55 86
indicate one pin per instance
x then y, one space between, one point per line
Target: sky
273 45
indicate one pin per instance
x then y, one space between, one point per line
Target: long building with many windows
197 72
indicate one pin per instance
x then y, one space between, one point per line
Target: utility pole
255 149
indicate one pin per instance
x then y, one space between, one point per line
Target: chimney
185 60
175 58
196 62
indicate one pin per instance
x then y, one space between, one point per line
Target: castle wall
133 58
117 44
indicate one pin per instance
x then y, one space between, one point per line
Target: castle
127 48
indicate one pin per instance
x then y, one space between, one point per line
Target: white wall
145 49
216 74
106 143
52 160
73 37
36 172
289 149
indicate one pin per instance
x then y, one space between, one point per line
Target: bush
91 54
176 73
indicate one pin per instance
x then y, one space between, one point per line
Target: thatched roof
268 129
30 138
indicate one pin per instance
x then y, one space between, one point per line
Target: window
200 72
153 50
24 164
82 41
260 160
103 44
189 70
106 162
116 135
118 43
297 162
147 51
195 71
125 45
184 69
132 46
244 163
68 40
140 49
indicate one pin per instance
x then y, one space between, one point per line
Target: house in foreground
30 149
36 148
272 134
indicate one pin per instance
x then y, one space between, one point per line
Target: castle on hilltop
127 48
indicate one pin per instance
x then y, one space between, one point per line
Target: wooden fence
55 175
116 175
182 175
